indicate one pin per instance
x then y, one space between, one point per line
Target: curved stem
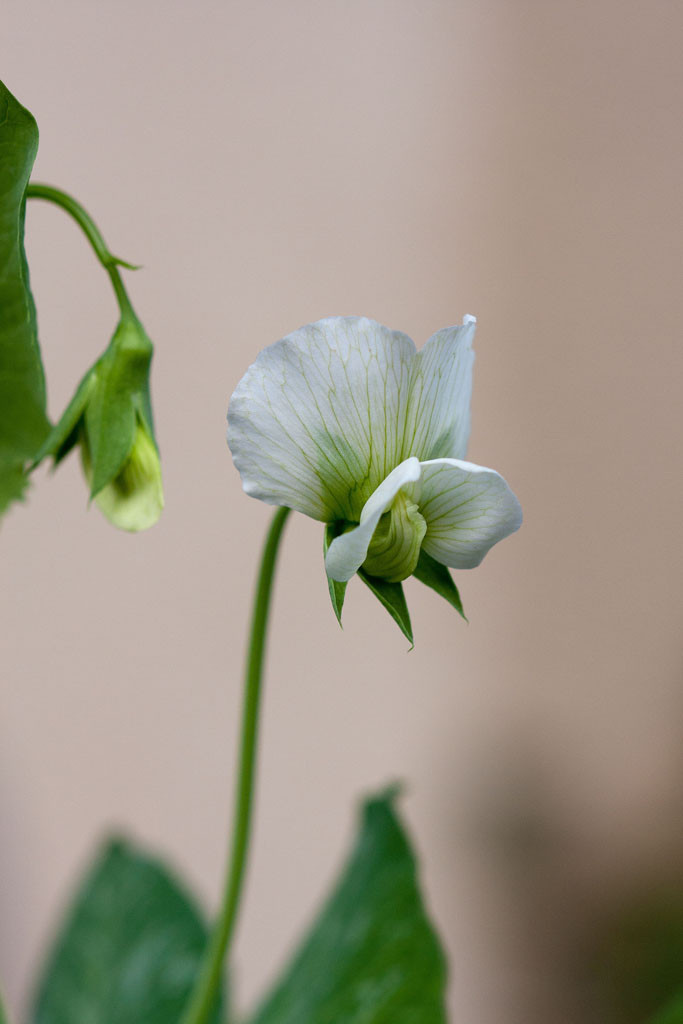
203 998
110 262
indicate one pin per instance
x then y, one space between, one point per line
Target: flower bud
110 418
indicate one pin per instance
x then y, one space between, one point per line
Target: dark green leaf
129 949
23 422
372 957
392 597
337 590
435 575
4 1019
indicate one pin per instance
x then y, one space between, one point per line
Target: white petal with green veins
438 417
317 421
467 508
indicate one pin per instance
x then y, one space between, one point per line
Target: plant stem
110 262
202 1000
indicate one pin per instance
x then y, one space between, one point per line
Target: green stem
203 998
110 262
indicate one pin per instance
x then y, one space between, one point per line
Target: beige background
271 163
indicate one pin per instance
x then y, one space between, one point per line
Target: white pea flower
345 421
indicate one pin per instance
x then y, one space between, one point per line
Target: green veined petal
316 423
468 509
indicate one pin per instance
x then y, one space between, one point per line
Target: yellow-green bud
134 499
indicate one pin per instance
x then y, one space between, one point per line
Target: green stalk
110 262
202 1000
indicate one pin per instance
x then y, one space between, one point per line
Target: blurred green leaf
13 482
23 421
372 957
4 1019
392 597
672 1012
639 961
129 949
435 575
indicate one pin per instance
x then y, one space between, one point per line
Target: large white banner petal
438 420
317 421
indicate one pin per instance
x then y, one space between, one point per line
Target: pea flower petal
134 499
467 509
317 422
438 419
347 552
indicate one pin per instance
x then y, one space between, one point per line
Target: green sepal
64 434
372 956
392 597
337 590
437 576
121 376
129 949
23 420
109 430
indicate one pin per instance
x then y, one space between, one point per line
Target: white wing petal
438 421
347 552
317 421
467 508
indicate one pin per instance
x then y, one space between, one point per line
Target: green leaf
435 575
23 421
13 483
392 597
372 957
671 1014
337 590
129 949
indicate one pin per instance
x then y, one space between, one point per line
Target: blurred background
271 163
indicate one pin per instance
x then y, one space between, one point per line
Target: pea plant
346 422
